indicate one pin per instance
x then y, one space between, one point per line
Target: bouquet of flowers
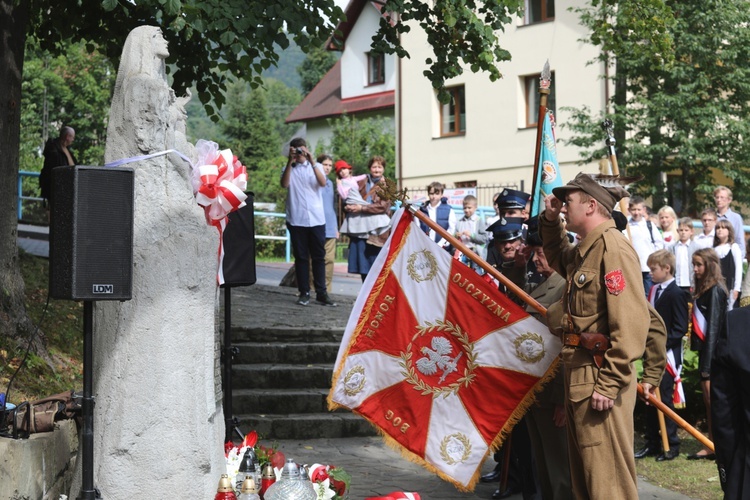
234 454
330 482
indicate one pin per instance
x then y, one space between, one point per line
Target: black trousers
730 404
309 244
653 439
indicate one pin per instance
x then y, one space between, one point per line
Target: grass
62 327
697 479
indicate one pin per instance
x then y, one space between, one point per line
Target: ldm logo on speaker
103 289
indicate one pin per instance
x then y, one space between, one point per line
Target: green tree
281 102
356 140
687 114
248 126
210 40
315 66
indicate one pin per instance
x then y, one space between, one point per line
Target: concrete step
258 334
305 426
281 376
286 352
261 401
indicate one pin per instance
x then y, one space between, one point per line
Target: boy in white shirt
470 230
683 252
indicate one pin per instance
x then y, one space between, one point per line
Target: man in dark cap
507 238
512 203
604 295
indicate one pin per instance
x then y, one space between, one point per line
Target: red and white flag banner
440 361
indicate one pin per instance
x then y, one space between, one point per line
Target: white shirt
702 240
432 212
304 204
642 240
683 254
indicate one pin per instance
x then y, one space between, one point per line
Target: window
531 93
375 68
539 11
453 114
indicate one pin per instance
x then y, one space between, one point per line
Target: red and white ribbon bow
220 181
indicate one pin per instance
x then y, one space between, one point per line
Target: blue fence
23 198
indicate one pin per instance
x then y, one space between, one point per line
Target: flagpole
543 311
545 81
478 260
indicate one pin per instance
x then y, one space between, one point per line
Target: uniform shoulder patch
615 282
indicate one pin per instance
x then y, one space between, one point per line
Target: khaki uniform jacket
606 295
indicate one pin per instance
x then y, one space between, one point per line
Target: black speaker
91 233
239 246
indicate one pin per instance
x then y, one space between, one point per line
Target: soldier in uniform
604 295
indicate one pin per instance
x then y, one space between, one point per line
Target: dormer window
375 68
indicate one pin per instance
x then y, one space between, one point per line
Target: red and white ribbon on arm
223 181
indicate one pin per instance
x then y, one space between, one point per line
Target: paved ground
375 468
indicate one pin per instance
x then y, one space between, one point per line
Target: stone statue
158 424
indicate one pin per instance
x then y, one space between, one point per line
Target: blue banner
548 173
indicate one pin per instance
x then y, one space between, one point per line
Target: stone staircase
280 381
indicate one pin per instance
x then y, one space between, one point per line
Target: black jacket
713 305
672 306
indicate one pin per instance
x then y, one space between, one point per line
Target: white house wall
497 148
354 58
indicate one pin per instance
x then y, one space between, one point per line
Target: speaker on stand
238 268
91 258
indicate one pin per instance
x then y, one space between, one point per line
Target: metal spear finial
546 78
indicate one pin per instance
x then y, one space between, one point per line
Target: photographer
305 219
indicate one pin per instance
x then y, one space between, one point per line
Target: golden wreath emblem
422 266
455 448
354 381
412 368
529 347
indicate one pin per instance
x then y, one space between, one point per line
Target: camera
298 151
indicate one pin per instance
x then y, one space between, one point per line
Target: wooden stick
478 260
543 311
662 426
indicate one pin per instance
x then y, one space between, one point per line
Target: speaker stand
88 492
231 424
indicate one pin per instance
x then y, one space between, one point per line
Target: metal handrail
285 238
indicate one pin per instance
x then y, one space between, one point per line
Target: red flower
339 487
319 475
277 459
251 438
228 446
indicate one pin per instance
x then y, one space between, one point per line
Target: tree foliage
688 116
356 140
461 32
315 66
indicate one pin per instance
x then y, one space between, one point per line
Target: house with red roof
362 83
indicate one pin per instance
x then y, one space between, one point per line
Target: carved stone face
159 45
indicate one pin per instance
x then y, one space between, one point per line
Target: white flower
324 491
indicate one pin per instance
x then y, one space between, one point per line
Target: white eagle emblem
438 358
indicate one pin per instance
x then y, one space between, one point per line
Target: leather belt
571 339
